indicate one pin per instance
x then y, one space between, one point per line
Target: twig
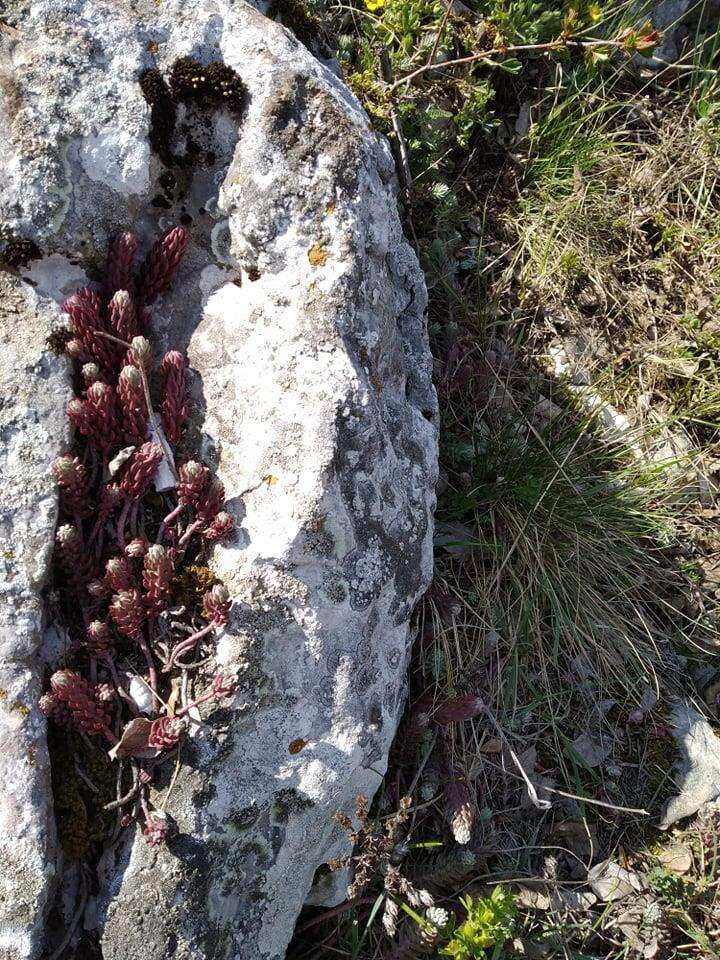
438 35
402 159
348 905
155 426
84 777
121 801
498 51
176 771
597 803
532 792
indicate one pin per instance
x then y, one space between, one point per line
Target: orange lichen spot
318 255
297 745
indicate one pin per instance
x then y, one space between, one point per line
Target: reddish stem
169 519
134 518
143 644
187 644
122 520
195 703
194 526
110 735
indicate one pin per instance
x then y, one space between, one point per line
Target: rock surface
301 307
677 20
33 431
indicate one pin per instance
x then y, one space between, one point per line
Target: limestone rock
33 431
301 307
677 20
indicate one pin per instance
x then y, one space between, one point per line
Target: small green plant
675 891
489 923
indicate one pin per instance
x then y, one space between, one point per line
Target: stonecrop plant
133 527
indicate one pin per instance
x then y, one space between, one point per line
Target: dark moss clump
213 85
16 251
57 340
162 113
153 87
225 88
187 79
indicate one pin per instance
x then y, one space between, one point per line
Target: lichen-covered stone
301 307
33 431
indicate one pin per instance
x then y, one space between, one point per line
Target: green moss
191 583
79 815
71 815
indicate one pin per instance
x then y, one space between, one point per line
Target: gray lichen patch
33 431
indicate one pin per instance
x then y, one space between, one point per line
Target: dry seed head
99 636
90 373
128 612
141 353
97 589
131 375
136 549
216 604
75 350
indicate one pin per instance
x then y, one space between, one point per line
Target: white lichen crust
33 431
